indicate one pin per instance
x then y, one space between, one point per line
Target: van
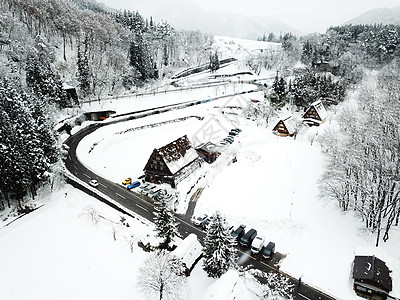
257 245
269 250
239 232
248 238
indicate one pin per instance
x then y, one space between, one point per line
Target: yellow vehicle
127 181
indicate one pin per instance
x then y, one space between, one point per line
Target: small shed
71 93
229 286
285 127
189 252
208 151
371 277
172 163
315 114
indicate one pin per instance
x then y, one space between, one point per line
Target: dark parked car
239 232
233 133
206 222
269 250
248 238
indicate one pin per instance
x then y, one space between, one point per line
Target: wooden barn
315 114
285 127
208 152
172 163
371 278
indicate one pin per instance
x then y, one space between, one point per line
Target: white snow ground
58 251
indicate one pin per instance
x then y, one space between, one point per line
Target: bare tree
162 275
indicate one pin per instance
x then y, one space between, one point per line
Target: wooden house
371 278
208 152
285 127
315 114
172 163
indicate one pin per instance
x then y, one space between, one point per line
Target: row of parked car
231 136
245 239
254 241
150 190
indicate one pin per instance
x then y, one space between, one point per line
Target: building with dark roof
172 163
286 126
371 277
315 114
208 151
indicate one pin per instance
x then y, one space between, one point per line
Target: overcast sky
304 15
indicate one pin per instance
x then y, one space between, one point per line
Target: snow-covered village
174 150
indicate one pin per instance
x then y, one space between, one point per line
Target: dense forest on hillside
45 44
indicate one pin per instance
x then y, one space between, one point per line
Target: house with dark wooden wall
285 127
172 163
208 151
315 114
371 278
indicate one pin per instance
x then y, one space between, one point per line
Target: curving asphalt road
144 207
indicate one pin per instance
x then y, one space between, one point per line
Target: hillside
378 16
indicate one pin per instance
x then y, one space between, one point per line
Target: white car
257 244
94 183
198 220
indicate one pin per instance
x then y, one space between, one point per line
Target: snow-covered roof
189 250
229 287
178 154
319 108
289 123
209 147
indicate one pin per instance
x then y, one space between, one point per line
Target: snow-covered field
58 252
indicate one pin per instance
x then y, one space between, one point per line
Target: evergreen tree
271 37
140 59
44 81
83 71
307 53
279 91
219 252
165 222
214 61
28 147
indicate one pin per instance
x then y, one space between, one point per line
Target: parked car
238 130
239 232
257 245
153 193
228 139
198 220
233 133
206 222
127 181
269 250
248 238
94 182
133 185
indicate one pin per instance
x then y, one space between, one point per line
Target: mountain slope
188 16
381 15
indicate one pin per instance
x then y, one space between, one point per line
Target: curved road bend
143 206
